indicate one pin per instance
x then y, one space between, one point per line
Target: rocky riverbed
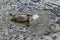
45 27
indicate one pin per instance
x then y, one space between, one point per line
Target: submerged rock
35 0
58 21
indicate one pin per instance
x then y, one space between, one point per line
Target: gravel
46 27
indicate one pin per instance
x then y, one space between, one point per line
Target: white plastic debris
35 16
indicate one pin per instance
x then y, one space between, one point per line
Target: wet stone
54 38
35 0
58 21
47 33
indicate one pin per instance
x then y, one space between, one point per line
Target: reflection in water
22 22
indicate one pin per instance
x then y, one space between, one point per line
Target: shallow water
43 28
